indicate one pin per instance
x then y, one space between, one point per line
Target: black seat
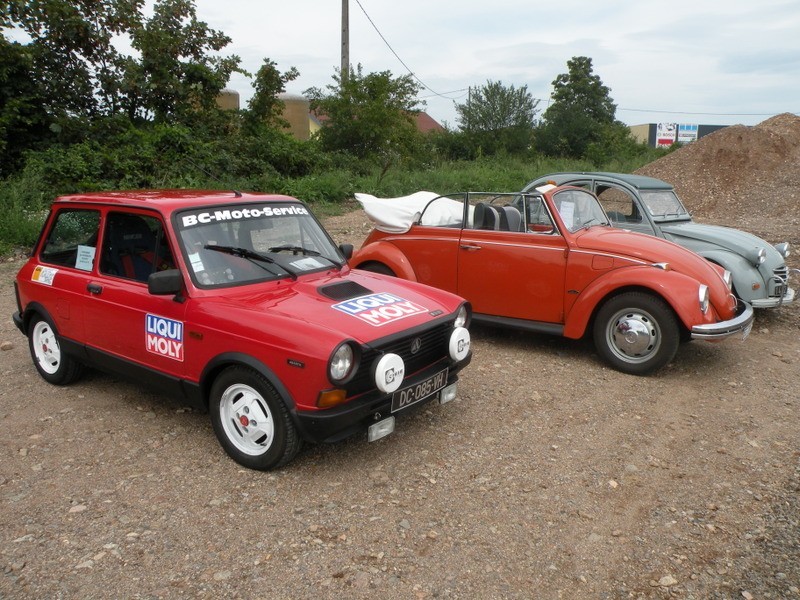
130 245
510 218
485 217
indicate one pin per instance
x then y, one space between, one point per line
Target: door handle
95 288
469 247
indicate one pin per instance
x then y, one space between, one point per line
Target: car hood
733 240
356 305
651 249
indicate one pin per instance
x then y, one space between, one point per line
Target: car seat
130 247
486 216
510 218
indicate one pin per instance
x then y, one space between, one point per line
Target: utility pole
345 72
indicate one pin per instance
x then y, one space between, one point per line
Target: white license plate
419 391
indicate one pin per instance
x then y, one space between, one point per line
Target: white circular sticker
389 373
459 343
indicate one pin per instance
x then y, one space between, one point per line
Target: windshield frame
649 197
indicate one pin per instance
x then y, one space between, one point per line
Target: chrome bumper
787 298
741 324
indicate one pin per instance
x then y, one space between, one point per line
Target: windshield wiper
251 256
304 252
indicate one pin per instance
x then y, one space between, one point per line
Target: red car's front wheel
636 333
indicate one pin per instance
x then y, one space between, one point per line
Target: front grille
780 278
433 348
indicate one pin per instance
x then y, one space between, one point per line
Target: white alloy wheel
45 347
246 419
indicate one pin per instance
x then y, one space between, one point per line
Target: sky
686 61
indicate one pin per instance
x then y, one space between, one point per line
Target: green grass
24 200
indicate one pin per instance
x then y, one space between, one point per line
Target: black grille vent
344 290
432 349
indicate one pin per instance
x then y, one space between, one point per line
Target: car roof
640 182
168 201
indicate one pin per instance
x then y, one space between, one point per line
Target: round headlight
783 249
728 279
340 365
703 297
462 318
762 256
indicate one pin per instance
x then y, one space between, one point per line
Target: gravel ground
551 476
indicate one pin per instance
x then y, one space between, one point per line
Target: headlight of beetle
342 363
703 297
728 279
783 249
462 318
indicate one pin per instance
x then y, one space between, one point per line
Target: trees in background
368 115
498 118
581 120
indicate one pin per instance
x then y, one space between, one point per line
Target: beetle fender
678 290
388 254
743 273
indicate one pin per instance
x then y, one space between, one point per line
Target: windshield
579 209
663 203
234 245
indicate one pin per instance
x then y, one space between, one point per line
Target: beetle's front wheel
251 421
636 333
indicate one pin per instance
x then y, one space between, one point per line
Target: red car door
124 319
516 273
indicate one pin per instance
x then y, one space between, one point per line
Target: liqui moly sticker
379 309
164 336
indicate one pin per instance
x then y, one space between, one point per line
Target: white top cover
396 215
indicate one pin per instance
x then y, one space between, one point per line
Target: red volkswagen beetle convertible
549 261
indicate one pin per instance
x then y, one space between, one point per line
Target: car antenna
237 193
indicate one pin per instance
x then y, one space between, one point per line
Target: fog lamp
448 393
380 429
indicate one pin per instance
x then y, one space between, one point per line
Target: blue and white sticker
380 309
164 336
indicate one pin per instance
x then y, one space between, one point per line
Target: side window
134 246
495 212
443 212
72 241
618 204
539 220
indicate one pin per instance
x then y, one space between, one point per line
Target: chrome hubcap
633 335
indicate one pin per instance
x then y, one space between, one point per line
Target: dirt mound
745 177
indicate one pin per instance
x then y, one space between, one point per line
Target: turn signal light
331 398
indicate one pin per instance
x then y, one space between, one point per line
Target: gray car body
763 285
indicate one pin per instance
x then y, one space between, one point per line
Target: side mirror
347 250
165 283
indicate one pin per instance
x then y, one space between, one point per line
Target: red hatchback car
242 304
548 261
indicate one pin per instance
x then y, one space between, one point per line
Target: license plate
419 391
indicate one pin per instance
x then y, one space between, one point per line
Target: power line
388 45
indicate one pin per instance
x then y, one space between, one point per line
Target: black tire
376 267
251 421
636 333
53 364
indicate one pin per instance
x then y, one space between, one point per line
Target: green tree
74 59
498 118
176 75
581 115
84 75
265 107
368 116
24 122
